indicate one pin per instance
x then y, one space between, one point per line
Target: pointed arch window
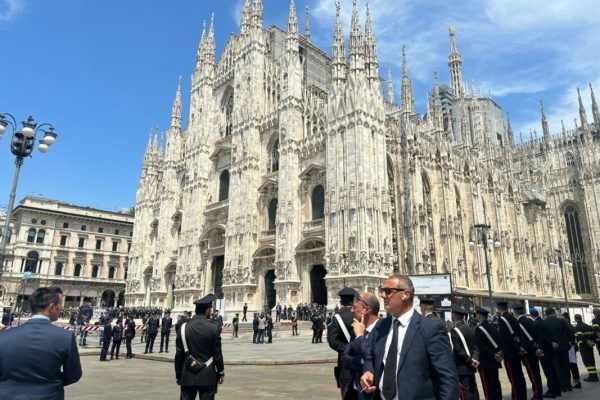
40 236
318 202
224 185
576 250
31 235
272 213
31 262
77 270
58 268
275 156
229 114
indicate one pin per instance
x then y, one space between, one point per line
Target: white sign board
432 284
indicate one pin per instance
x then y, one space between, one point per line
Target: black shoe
166 351
591 379
549 395
577 385
150 351
160 351
145 352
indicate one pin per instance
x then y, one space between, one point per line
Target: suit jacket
107 333
529 325
153 324
353 359
462 359
543 338
129 330
509 341
167 323
556 329
204 341
426 368
36 360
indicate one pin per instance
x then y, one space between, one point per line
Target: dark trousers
255 336
587 356
468 387
244 318
104 350
574 371
532 366
117 344
278 317
320 335
315 335
490 381
128 346
561 366
236 329
150 342
294 330
269 336
164 340
516 378
547 362
203 392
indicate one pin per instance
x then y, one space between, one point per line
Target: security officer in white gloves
198 358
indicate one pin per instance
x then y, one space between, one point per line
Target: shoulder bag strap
492 341
343 327
462 339
185 347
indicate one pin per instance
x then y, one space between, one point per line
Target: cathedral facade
296 175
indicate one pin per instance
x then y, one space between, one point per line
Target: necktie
391 363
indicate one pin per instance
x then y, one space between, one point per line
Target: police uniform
464 351
199 370
428 301
339 335
165 331
529 342
584 335
510 342
152 330
487 341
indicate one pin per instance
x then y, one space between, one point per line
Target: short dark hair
406 279
42 297
550 311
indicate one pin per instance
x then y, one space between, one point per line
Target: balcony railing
314 225
216 206
67 278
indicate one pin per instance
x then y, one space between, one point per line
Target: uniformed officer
151 331
465 354
584 334
165 331
487 341
426 305
198 357
513 352
340 333
529 342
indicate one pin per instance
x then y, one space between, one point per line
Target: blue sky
105 72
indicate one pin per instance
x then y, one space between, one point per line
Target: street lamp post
562 264
26 276
21 146
483 240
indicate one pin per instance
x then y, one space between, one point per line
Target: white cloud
10 9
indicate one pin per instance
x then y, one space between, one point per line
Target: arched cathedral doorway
318 285
270 292
217 272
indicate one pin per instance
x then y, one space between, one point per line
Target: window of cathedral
272 214
318 203
224 185
576 250
31 262
40 236
31 235
570 160
229 114
275 156
58 268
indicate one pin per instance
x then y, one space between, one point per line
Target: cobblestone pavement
290 368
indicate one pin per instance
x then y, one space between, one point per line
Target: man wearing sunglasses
409 355
366 309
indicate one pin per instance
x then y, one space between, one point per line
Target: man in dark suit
129 335
340 333
244 312
547 359
510 341
165 331
559 338
152 330
465 354
366 310
37 359
487 342
409 355
199 339
106 337
529 335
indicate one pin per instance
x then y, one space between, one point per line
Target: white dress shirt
404 320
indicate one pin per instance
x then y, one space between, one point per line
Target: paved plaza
289 368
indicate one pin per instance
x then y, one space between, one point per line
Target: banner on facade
432 284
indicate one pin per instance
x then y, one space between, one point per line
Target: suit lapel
384 330
411 332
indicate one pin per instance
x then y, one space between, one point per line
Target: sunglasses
388 291
358 298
